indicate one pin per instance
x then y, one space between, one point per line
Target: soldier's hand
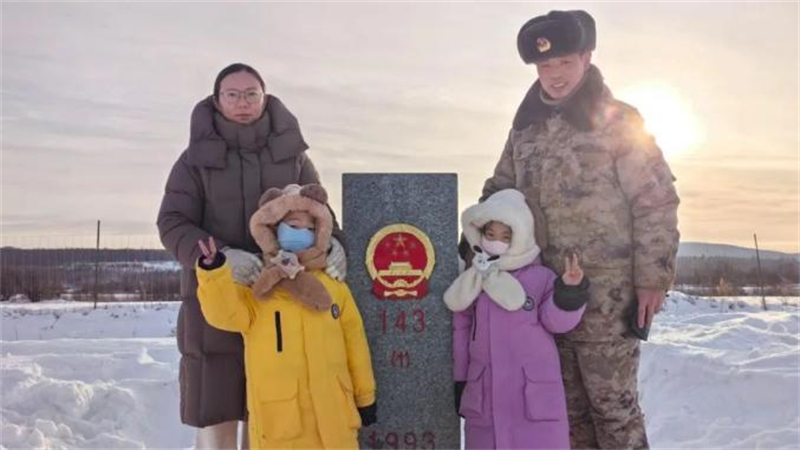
573 274
650 303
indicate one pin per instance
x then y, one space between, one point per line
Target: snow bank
722 373
59 319
716 373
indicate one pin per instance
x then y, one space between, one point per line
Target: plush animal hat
491 274
274 205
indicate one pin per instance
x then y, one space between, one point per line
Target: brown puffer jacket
213 189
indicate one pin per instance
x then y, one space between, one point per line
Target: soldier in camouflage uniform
598 184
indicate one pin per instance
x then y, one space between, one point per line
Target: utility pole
97 265
760 281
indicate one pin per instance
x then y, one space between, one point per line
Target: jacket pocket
280 418
596 165
473 396
527 163
544 400
349 402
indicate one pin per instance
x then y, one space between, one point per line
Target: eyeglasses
232 96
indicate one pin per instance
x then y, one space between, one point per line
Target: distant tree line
49 257
729 276
80 274
149 274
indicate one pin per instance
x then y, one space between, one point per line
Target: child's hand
209 252
573 274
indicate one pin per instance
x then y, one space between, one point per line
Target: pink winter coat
514 396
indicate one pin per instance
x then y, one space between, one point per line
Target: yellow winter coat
307 371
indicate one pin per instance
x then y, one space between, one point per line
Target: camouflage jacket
598 184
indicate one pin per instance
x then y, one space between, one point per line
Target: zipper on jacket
248 237
278 331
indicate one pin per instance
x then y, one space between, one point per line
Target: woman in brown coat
242 142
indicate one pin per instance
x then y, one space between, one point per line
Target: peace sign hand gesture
573 274
209 251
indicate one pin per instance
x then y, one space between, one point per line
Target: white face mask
495 248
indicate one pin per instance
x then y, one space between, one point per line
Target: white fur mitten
244 265
337 261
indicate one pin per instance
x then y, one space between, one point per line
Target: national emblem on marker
400 260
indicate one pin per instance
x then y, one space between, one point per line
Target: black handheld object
633 325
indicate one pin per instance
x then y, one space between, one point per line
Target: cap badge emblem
542 44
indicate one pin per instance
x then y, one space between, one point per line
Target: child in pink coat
507 306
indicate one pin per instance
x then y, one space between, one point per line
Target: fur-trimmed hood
509 207
275 204
492 275
273 207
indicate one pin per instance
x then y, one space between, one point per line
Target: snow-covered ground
722 373
74 377
715 374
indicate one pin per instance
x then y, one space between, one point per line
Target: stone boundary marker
402 235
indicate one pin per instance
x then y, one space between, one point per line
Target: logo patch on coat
335 311
529 304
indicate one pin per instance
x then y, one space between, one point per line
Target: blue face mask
294 239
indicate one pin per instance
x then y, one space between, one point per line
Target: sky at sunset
96 99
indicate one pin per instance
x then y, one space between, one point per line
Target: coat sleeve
225 304
648 184
181 214
359 362
554 319
462 329
308 174
503 177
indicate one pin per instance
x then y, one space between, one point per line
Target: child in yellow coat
309 373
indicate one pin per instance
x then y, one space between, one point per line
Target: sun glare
666 115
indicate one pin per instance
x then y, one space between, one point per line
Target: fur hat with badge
557 33
274 205
490 274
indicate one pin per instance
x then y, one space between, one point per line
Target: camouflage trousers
600 379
